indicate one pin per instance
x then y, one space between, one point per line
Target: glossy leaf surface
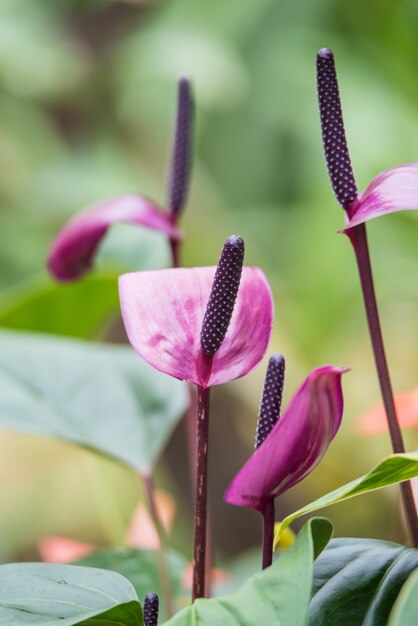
279 595
394 469
41 594
98 396
140 567
356 581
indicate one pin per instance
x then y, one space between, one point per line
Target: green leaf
43 305
278 595
356 581
102 397
55 308
394 469
41 594
405 610
140 567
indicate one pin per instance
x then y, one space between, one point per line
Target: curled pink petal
72 253
296 444
393 190
163 312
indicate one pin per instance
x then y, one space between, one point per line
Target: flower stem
358 238
200 533
268 533
164 572
175 252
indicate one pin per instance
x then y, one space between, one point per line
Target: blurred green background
87 97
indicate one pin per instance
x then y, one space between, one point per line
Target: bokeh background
87 97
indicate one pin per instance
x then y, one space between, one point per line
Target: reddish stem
358 238
268 533
200 529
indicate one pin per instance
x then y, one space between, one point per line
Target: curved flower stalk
73 251
393 190
204 325
292 445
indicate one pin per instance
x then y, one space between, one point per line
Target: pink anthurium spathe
394 190
296 443
208 326
163 311
73 251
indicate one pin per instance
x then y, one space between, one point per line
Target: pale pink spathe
163 312
393 190
295 445
72 253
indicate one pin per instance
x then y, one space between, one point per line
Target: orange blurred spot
219 576
141 532
54 549
374 422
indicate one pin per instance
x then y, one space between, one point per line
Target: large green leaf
140 567
41 594
394 469
405 610
63 309
102 397
279 595
356 581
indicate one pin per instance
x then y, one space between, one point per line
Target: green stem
164 571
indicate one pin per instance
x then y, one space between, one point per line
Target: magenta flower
295 444
163 312
74 249
206 325
393 190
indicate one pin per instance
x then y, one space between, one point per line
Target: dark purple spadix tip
151 606
223 295
181 159
271 400
333 134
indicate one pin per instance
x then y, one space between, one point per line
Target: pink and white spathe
72 253
393 190
163 312
295 445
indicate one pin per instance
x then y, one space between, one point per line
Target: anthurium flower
163 312
74 249
373 422
395 189
296 443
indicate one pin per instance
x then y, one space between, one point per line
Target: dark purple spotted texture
151 606
333 135
181 160
271 401
223 295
